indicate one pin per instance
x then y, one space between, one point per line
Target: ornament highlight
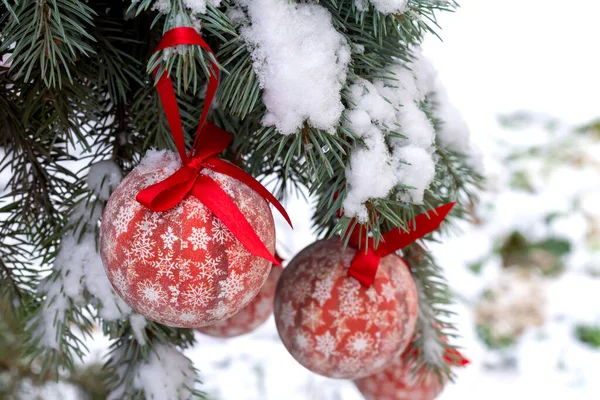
333 325
250 317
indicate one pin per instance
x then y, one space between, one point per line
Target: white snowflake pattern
256 273
372 294
350 365
212 267
120 282
174 291
312 317
165 265
303 341
197 296
147 225
151 293
339 324
169 238
359 344
195 209
352 307
322 291
326 344
349 289
124 217
226 185
184 270
246 208
188 315
112 251
389 292
231 286
248 297
288 314
237 254
220 311
142 248
301 288
199 239
220 232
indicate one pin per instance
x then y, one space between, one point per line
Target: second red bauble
398 382
250 317
182 267
334 326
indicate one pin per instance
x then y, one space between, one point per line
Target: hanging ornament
187 240
332 324
399 381
250 317
346 313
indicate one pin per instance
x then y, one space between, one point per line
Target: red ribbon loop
209 142
364 265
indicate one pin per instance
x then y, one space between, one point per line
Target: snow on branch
165 374
389 109
399 137
383 6
301 62
78 278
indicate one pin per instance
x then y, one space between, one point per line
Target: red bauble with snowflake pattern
182 267
250 317
333 325
398 382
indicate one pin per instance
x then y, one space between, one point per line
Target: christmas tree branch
61 37
433 351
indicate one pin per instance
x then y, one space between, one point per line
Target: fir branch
433 351
127 354
48 37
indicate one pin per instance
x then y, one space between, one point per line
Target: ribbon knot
366 261
196 163
210 141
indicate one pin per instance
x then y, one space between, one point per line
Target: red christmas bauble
182 267
250 317
333 325
398 382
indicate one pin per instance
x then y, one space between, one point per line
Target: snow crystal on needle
371 174
383 6
418 172
199 6
381 106
103 177
167 374
195 6
78 270
394 105
301 62
138 324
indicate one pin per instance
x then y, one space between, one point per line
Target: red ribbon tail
166 194
231 170
423 225
454 357
222 206
364 267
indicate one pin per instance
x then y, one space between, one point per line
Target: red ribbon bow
364 265
209 142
